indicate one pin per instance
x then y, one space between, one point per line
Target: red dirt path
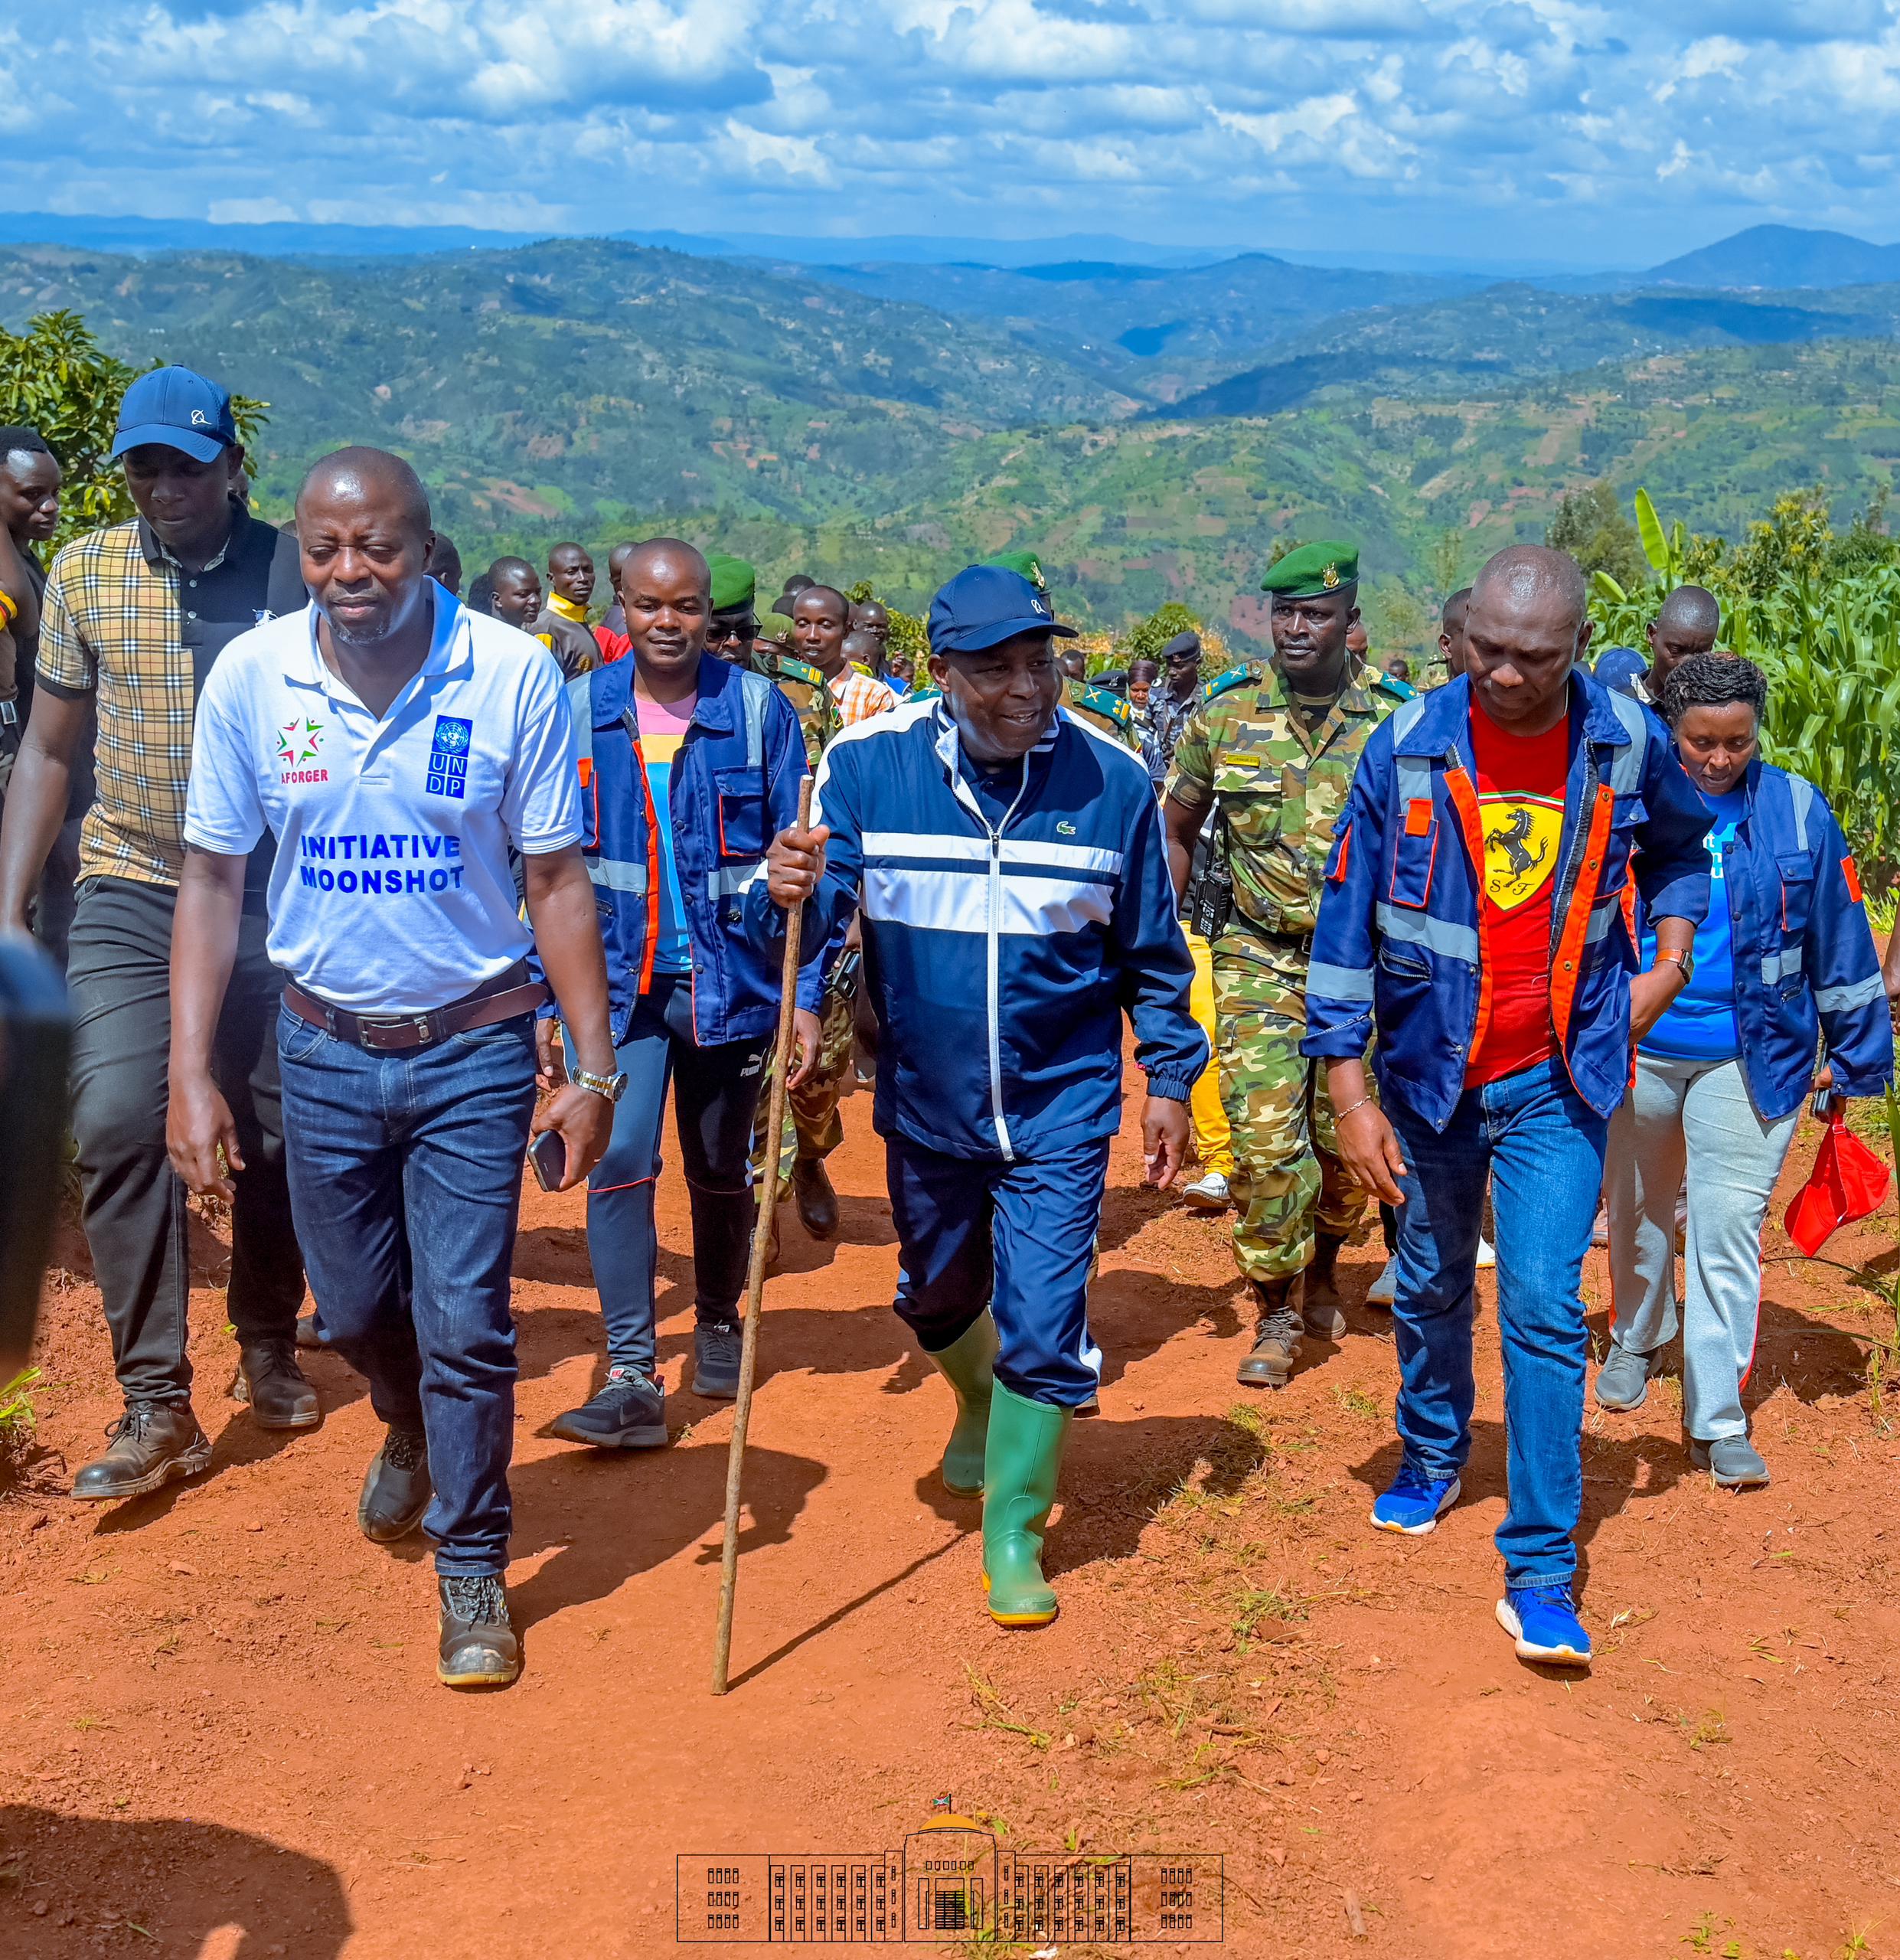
224 1735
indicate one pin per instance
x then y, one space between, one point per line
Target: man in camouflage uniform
1273 750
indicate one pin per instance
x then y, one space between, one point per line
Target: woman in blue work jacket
1784 961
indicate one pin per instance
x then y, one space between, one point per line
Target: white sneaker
1385 1289
1486 1253
1208 1193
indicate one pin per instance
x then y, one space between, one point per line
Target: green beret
774 626
1025 564
1313 570
734 581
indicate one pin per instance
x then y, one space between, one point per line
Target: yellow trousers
1213 1140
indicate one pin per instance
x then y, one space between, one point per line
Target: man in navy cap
133 618
1013 883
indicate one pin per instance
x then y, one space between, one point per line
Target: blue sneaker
1413 1504
1545 1625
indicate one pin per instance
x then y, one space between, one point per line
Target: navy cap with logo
985 605
179 409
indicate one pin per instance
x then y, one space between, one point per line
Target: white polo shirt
392 892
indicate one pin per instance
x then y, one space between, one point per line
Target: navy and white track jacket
1003 955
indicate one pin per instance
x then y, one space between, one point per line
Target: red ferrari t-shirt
1521 790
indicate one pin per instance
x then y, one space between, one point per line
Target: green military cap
1025 564
734 581
1313 570
774 626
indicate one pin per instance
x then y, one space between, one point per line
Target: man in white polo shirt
398 744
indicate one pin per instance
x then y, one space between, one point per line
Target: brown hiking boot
817 1201
1319 1309
150 1443
1276 1344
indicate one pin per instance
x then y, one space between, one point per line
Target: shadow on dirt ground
68 1883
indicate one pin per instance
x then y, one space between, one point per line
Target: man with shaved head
135 619
690 763
399 745
514 593
1688 622
1474 921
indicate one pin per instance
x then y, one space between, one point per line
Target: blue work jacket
1399 943
1805 963
734 786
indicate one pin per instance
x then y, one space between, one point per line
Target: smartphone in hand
548 1154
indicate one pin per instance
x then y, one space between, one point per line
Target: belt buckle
368 1026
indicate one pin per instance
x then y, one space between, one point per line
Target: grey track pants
1697 1115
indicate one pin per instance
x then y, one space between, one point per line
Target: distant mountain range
1150 429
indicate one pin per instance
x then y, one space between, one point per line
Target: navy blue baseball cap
985 605
179 409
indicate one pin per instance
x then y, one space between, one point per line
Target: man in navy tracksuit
1013 883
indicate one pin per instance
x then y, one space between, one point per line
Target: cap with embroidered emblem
1312 570
985 605
1024 563
179 409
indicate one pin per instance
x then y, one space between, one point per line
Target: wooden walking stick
756 1273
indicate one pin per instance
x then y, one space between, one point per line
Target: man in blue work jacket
1015 902
688 766
1474 919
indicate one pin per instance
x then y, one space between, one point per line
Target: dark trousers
1017 1238
119 972
406 1171
715 1099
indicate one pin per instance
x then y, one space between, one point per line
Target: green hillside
605 390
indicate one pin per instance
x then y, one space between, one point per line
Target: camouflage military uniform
804 687
1280 785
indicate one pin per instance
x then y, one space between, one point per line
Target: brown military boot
1320 1311
1276 1342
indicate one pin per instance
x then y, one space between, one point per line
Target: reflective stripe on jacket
734 786
1805 962
1400 940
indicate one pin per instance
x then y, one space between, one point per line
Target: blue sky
1594 134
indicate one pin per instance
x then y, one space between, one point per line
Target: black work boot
1321 1309
817 1201
1276 1342
270 1380
479 1648
397 1488
628 1413
716 1347
150 1444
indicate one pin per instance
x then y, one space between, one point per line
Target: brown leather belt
388 1034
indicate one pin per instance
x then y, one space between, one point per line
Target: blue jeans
1542 1147
1017 1238
715 1099
406 1183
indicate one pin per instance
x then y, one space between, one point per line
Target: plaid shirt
114 624
859 696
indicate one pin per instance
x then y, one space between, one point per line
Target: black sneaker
270 1380
397 1488
479 1647
628 1413
150 1443
716 1347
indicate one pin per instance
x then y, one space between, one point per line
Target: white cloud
1616 130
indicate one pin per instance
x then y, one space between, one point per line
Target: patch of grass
1356 1402
1706 1730
1268 1603
994 1713
18 1419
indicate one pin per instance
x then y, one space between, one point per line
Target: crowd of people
368 893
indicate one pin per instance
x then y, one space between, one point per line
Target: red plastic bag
1848 1181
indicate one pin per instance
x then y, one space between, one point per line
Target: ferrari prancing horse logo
1520 846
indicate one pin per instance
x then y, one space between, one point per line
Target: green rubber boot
1019 1490
964 1364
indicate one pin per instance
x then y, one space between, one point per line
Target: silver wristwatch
611 1086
